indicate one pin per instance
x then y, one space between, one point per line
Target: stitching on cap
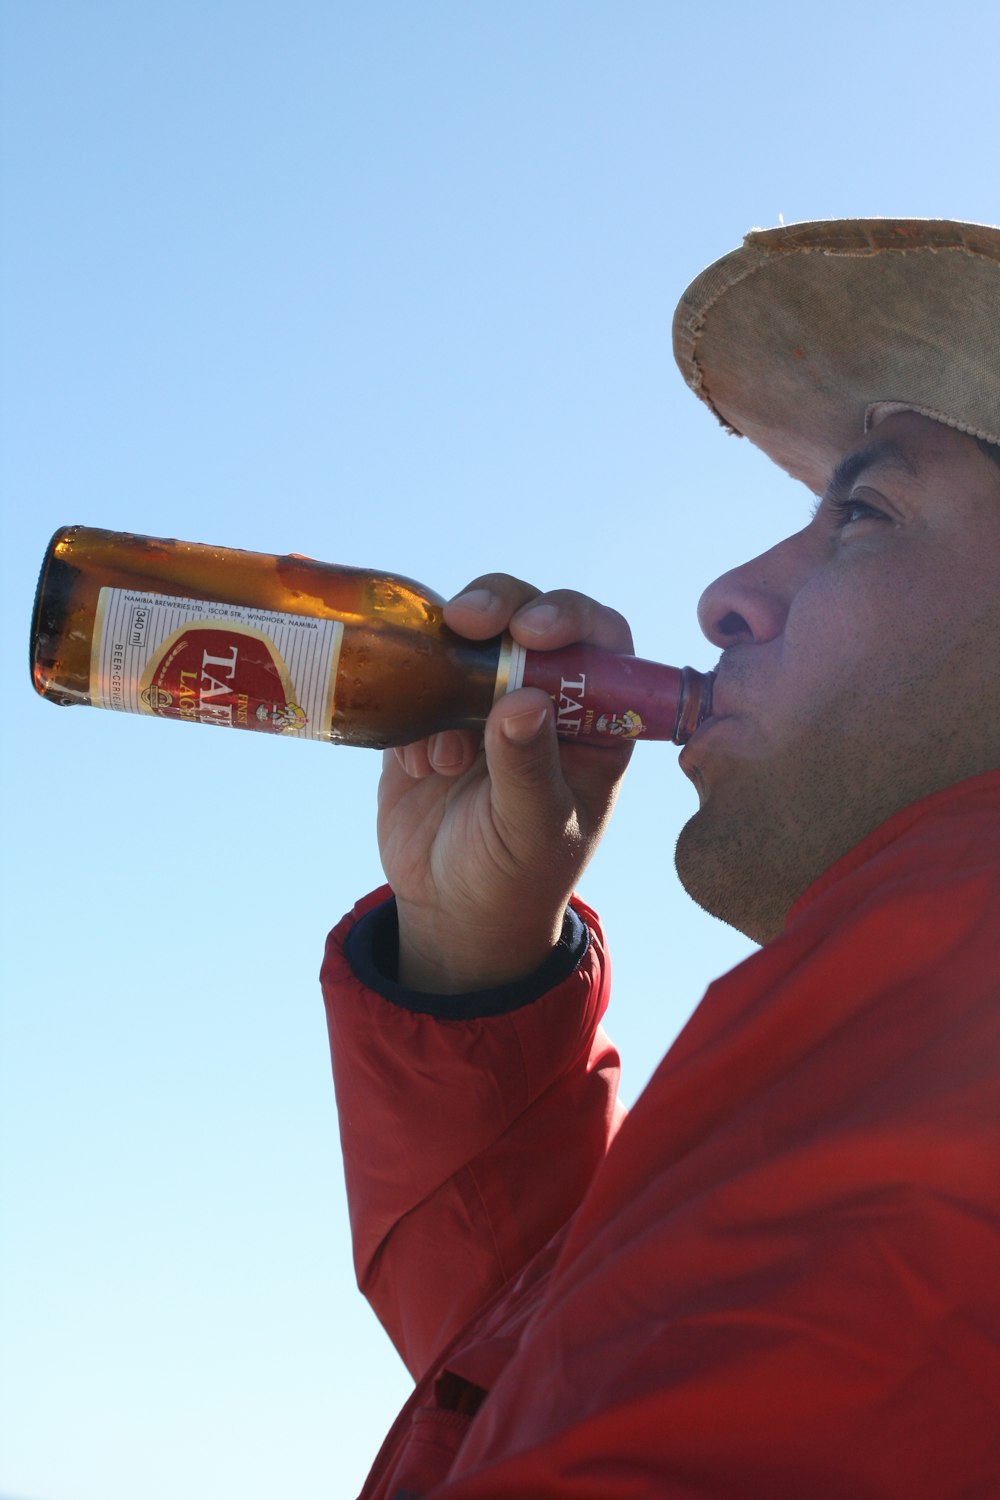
890 408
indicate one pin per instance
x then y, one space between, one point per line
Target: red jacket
780 1278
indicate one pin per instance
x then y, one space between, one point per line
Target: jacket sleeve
468 1141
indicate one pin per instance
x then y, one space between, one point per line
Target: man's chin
722 874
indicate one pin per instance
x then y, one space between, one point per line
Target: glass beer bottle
290 646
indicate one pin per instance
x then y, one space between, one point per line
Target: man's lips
705 730
723 712
710 735
723 702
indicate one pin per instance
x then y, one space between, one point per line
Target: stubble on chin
718 863
758 841
747 856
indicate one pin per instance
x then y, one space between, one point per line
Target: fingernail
408 760
538 619
478 599
445 750
521 728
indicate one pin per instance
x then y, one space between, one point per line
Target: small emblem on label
626 725
282 718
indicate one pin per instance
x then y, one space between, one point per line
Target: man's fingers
452 751
496 602
414 759
448 753
562 617
483 608
542 622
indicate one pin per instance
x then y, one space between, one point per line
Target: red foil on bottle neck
601 697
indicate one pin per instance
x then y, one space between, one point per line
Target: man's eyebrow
885 454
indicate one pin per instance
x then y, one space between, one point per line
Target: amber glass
402 673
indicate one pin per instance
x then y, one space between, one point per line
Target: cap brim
798 337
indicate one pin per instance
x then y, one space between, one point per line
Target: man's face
861 671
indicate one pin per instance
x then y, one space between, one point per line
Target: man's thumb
522 753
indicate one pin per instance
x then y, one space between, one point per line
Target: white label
203 662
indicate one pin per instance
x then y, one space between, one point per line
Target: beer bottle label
231 665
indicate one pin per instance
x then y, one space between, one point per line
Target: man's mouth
695 704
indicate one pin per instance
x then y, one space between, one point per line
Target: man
779 1277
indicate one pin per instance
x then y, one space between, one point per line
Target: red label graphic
231 677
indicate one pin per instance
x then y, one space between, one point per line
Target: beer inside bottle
290 646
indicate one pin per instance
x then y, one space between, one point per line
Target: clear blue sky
388 284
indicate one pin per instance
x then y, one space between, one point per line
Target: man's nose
750 603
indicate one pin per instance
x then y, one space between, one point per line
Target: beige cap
810 334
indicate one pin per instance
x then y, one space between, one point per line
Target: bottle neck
601 697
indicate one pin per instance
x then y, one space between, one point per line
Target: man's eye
853 509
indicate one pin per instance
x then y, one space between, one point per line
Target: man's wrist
443 961
372 948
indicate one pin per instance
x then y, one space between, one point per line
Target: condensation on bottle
289 646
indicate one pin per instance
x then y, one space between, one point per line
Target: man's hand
483 839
